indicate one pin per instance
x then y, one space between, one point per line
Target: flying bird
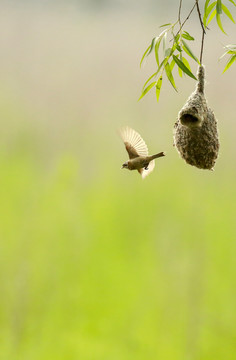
138 152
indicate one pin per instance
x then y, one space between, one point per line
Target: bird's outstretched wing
134 144
144 172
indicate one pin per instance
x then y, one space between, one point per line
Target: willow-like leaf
230 62
178 48
164 42
170 76
158 87
186 63
179 69
156 51
176 38
183 67
152 45
227 12
223 55
146 82
145 53
232 1
231 47
164 25
207 12
158 42
218 19
148 88
187 36
168 52
206 5
229 52
213 14
162 64
218 7
189 51
172 64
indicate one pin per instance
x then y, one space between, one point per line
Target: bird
138 152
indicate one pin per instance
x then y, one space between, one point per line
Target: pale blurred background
94 262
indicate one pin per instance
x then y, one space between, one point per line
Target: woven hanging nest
195 132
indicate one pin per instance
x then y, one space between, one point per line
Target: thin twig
200 17
186 18
203 34
180 5
203 31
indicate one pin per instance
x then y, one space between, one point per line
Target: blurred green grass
94 262
117 268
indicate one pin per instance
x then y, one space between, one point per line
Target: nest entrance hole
188 119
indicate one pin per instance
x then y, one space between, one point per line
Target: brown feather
131 151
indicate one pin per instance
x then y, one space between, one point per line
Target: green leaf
153 75
168 52
178 48
173 49
179 69
172 64
162 64
189 51
165 25
156 51
218 19
145 53
207 12
218 7
183 67
170 76
227 12
145 91
232 2
229 52
206 5
213 14
158 87
187 36
186 63
223 55
176 38
152 45
230 62
164 42
158 42
180 72
231 47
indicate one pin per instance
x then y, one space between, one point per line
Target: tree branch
181 26
203 30
180 5
200 17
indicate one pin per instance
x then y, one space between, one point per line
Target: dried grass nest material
195 132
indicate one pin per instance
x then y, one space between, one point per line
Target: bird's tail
158 155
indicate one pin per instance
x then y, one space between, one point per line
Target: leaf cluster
175 54
230 50
215 9
175 46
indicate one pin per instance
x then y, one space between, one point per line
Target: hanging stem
181 25
203 30
180 5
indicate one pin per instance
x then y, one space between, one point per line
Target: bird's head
125 165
